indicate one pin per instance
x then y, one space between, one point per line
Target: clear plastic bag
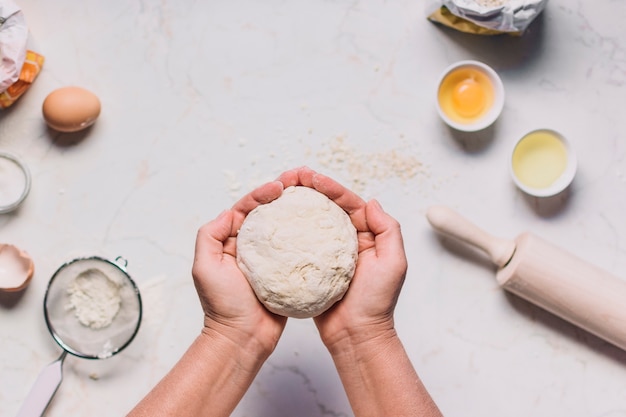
485 17
13 38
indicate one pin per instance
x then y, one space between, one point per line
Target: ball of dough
298 252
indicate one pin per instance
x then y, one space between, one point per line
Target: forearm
379 378
210 379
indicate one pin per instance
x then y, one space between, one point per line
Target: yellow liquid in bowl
466 95
539 159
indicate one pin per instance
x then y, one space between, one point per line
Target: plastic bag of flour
485 17
13 38
19 66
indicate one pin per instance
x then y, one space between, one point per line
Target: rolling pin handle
448 221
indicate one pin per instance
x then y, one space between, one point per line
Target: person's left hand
230 306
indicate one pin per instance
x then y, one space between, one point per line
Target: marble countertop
202 101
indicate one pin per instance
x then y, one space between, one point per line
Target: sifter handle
448 221
44 389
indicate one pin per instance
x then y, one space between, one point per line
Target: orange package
28 73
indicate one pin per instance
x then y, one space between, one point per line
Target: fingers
350 202
388 236
261 195
298 176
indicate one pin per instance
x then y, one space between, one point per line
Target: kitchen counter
203 101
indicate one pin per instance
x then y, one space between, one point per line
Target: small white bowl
494 111
543 162
14 182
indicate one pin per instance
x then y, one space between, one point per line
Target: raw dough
298 252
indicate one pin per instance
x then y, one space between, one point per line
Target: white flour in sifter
95 297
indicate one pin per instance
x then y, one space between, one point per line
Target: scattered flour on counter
254 175
234 184
363 168
360 169
95 298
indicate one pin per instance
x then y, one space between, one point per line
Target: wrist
249 352
363 342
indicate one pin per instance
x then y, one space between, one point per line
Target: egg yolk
465 95
468 97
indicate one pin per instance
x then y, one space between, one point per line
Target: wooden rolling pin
547 276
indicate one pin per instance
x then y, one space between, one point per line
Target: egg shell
16 268
70 109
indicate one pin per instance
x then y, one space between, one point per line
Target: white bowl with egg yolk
470 96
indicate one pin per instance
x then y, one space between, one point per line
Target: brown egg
70 109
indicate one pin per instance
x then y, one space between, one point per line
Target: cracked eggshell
16 268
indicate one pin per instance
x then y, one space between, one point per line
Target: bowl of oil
470 96
543 163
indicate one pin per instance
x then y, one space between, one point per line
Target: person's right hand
366 310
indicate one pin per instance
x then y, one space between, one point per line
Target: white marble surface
204 100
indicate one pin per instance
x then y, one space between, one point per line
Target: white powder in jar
95 298
13 181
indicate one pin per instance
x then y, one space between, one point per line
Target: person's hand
239 333
366 310
230 306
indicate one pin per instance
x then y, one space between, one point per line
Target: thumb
211 236
387 233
